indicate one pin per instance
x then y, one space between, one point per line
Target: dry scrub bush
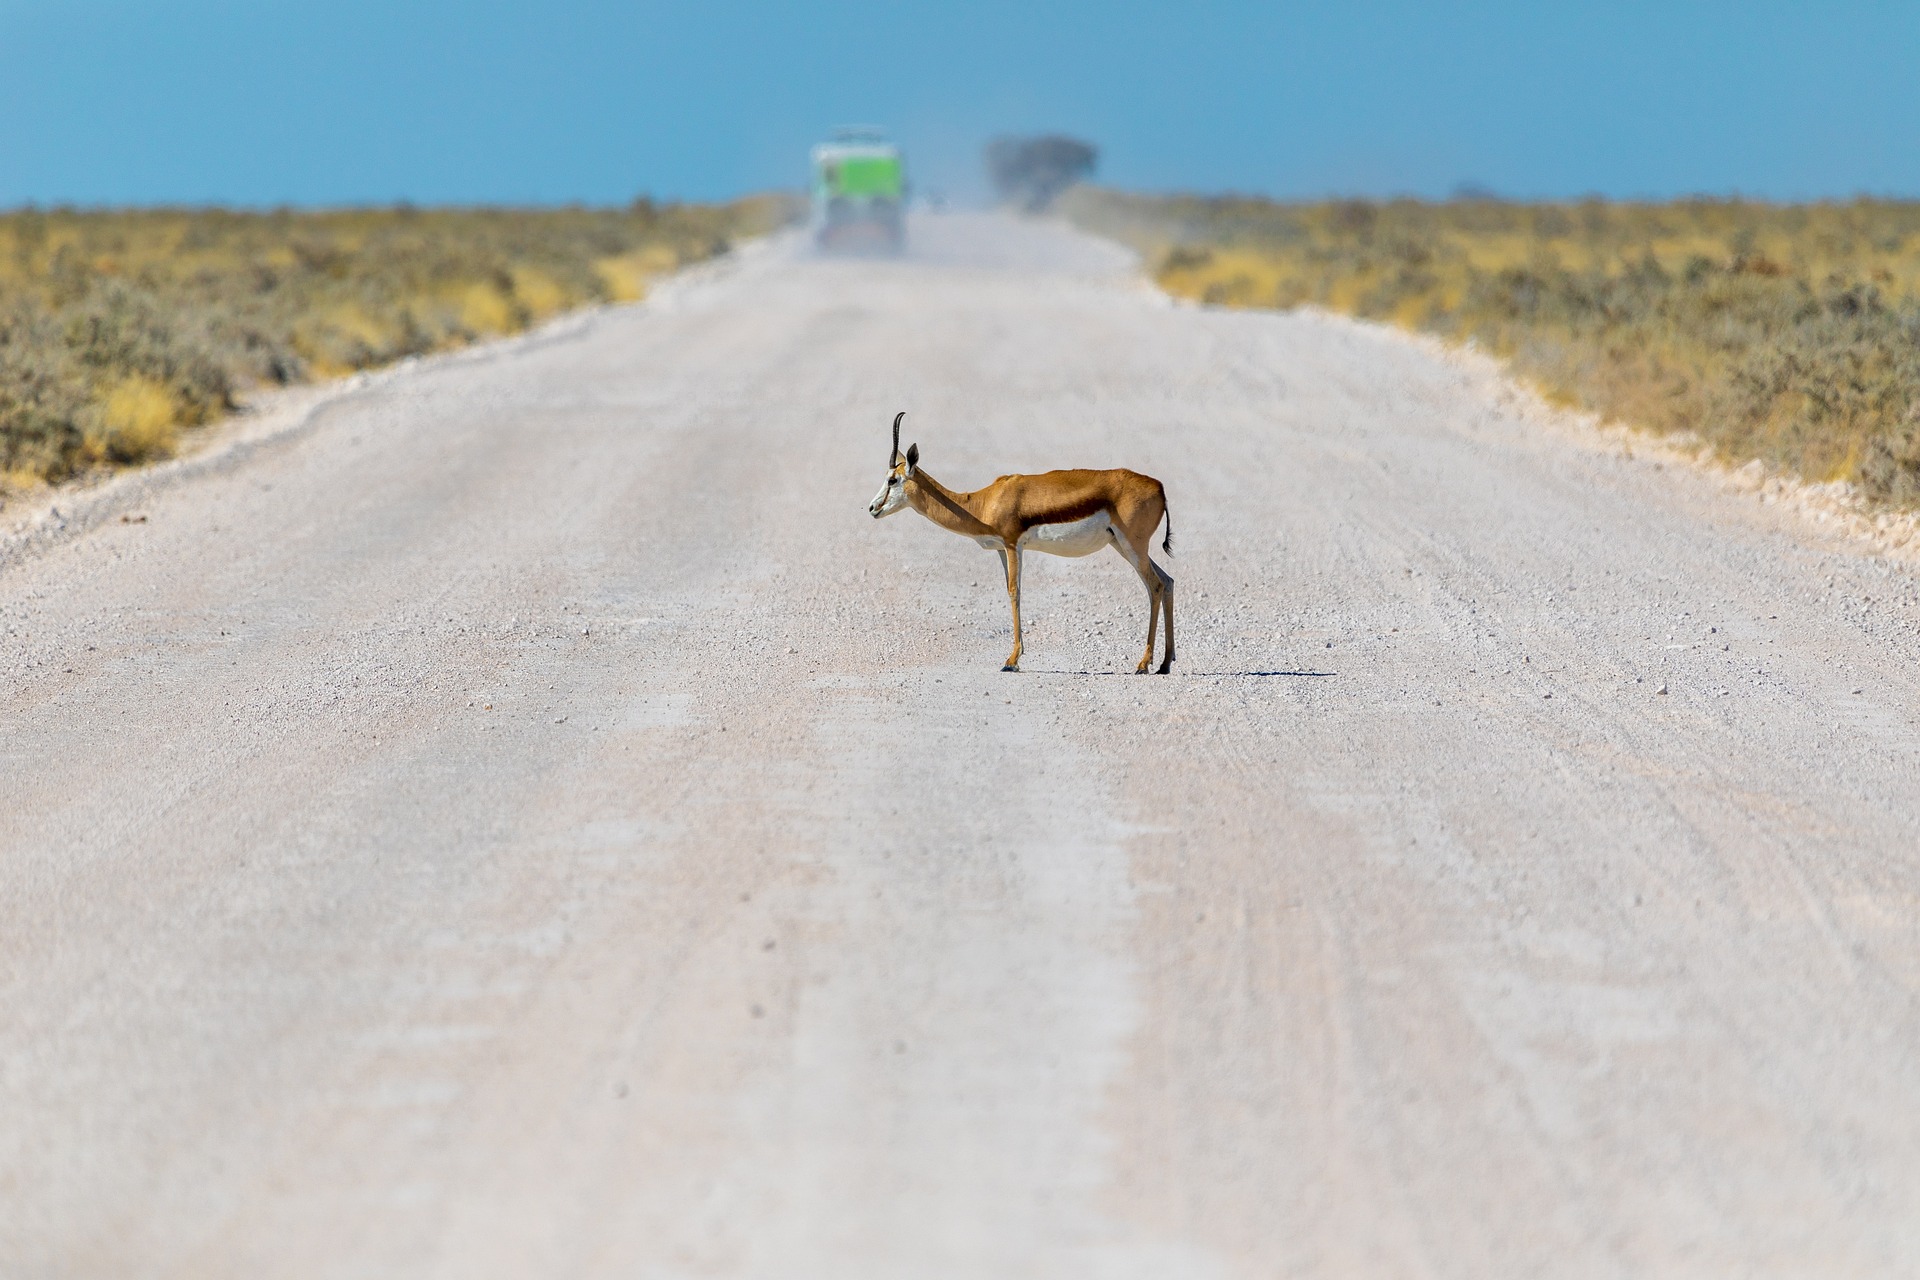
139 419
1789 333
120 328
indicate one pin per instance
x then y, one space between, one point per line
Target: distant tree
1474 193
1028 173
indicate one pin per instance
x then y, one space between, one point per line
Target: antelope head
893 493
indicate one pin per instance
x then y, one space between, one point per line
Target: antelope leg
1012 560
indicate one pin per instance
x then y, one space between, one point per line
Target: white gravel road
529 821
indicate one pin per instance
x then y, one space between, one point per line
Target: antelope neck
944 507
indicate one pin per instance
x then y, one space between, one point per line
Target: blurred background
260 103
314 153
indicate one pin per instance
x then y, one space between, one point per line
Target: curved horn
896 434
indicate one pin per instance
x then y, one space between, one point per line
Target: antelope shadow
1216 675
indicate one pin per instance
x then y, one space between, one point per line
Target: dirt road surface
529 821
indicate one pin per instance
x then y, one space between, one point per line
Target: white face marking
892 496
1080 537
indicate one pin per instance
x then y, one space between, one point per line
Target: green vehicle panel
859 191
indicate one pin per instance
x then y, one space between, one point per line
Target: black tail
1166 543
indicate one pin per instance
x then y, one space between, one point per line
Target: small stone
1662 688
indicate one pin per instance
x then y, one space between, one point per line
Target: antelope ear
913 457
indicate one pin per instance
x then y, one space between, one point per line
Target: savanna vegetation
121 328
1786 333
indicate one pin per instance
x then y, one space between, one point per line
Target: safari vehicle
859 192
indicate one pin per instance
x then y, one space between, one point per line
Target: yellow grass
485 310
538 293
120 328
139 419
626 275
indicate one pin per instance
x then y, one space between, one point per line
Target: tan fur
1012 505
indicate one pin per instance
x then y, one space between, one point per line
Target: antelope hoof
1011 665
1165 667
1142 668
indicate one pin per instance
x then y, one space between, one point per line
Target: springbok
1063 513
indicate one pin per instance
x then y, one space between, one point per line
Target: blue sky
127 101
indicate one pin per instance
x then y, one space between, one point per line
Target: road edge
62 513
1834 509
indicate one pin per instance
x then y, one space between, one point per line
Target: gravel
398 819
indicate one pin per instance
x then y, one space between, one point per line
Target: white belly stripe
1080 537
